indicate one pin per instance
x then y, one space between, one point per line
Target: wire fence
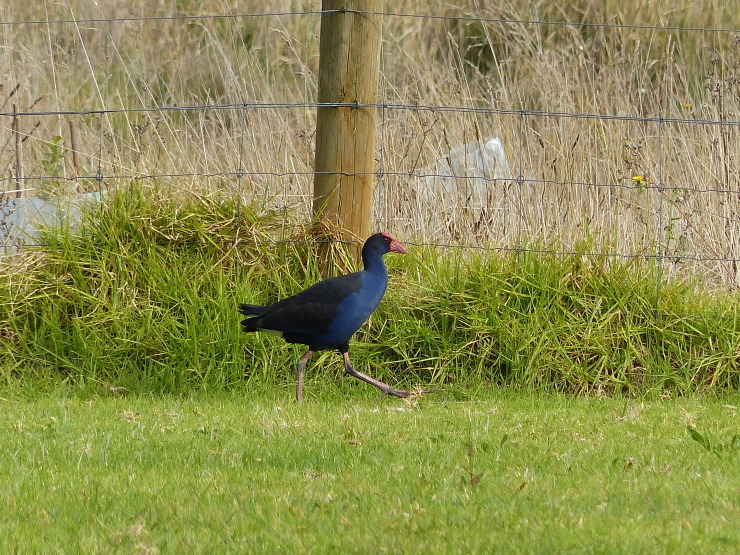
498 133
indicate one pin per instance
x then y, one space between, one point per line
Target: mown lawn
255 472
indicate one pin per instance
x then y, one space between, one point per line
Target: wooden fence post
345 135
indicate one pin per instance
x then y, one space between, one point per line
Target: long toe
403 394
425 391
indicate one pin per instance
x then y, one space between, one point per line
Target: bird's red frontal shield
396 245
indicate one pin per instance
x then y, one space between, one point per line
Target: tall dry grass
576 174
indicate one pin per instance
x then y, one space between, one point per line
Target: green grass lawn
254 471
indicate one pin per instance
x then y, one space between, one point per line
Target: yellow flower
638 178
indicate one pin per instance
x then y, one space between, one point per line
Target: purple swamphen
327 314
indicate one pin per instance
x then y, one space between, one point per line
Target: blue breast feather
357 307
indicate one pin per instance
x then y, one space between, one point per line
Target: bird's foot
384 387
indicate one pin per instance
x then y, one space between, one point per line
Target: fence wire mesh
498 132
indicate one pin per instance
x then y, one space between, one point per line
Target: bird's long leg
385 388
299 377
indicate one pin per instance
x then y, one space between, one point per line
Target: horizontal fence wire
662 187
433 108
534 22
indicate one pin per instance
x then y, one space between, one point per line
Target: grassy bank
143 296
256 472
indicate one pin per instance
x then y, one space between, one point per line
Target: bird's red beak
397 246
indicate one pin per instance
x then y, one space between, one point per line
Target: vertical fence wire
99 172
520 183
19 183
662 233
242 111
381 195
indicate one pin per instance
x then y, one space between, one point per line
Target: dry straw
620 126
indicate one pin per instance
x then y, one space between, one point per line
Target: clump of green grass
575 323
143 296
143 293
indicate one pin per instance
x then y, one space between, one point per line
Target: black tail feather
250 324
252 309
